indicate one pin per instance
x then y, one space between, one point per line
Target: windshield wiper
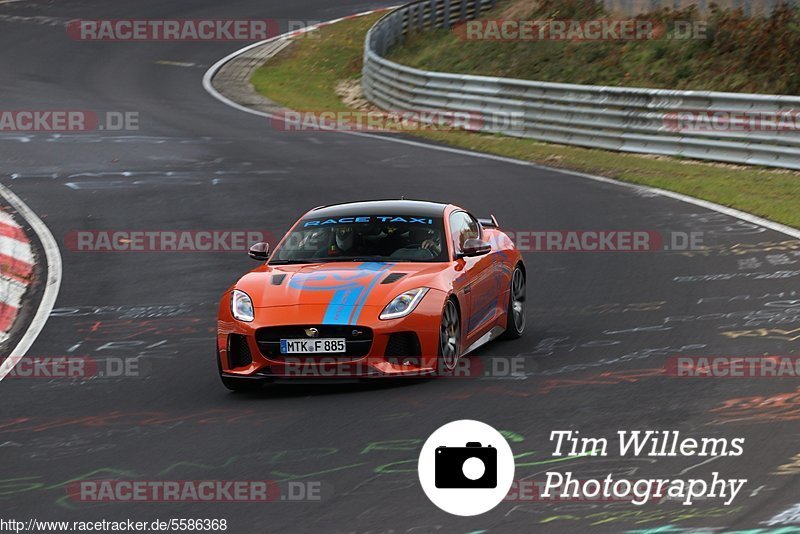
293 262
358 258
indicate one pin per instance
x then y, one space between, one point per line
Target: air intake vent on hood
277 279
393 277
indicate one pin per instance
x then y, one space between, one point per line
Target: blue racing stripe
347 302
383 268
341 305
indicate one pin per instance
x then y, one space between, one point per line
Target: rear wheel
449 337
515 315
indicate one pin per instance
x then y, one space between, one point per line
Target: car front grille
358 340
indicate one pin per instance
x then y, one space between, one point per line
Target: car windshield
364 238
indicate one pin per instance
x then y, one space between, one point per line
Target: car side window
462 227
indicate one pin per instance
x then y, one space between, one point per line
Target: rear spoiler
488 222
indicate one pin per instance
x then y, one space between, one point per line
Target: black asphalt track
601 325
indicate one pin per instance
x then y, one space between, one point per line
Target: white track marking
52 283
209 75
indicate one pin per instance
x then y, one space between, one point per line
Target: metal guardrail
614 118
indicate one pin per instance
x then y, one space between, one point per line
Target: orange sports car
371 289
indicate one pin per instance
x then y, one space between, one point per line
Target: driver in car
344 242
432 242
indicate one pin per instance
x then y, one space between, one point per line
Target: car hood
338 284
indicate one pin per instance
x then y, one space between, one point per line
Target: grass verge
726 51
305 76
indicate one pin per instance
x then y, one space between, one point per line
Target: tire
237 384
449 338
515 313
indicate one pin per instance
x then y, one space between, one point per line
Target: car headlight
242 306
403 304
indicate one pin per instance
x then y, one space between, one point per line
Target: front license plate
311 346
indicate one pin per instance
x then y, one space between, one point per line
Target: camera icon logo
472 466
466 467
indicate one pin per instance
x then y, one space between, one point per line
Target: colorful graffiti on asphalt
759 409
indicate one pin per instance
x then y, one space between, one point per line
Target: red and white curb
17 263
16 267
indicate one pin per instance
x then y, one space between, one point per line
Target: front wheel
515 315
449 338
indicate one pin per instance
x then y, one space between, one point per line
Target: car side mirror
475 247
259 251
